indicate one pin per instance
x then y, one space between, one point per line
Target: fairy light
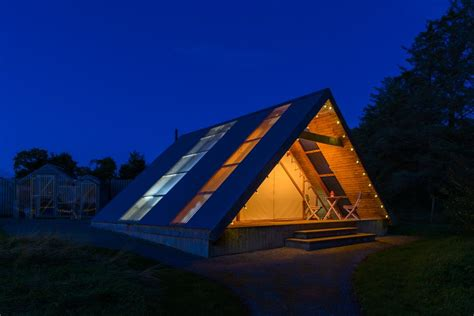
363 173
344 136
338 122
357 161
370 184
376 196
352 148
381 206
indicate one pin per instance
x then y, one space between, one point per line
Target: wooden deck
267 223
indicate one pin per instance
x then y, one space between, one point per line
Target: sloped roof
229 198
48 169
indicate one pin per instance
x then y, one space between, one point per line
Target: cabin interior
321 168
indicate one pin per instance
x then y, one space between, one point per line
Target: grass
49 276
431 276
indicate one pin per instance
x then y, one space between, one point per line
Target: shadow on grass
44 275
431 276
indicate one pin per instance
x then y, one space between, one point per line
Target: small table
332 200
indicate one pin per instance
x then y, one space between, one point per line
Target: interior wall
277 198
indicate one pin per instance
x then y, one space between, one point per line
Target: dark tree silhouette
27 161
420 122
134 166
104 169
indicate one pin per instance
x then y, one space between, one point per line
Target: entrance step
316 233
328 242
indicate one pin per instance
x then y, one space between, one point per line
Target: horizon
95 80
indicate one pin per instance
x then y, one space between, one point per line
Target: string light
357 161
363 173
370 184
381 206
376 196
352 148
386 216
245 206
317 116
338 122
330 107
344 136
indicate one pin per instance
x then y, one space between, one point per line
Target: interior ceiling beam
329 140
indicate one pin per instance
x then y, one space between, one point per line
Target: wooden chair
351 209
311 211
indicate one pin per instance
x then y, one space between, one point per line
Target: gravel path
278 282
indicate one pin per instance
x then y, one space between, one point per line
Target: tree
134 166
27 161
65 161
421 120
104 168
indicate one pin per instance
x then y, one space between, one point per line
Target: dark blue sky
95 79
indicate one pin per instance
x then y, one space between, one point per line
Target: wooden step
328 242
316 233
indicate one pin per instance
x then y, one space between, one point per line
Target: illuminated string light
376 196
338 122
357 161
363 173
344 136
381 206
352 148
370 184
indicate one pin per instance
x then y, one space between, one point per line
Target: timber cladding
345 164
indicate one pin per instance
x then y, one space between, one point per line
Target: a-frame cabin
285 175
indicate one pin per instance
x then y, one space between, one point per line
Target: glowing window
229 166
175 174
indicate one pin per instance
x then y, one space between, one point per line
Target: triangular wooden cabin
286 175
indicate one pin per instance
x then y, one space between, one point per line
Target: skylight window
229 166
175 174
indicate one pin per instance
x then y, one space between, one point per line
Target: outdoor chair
351 209
310 210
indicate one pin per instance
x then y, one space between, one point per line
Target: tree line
105 169
417 134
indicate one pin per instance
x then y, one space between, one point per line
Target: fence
7 197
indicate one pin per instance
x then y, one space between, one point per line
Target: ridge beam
329 140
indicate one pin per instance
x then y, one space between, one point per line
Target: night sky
101 79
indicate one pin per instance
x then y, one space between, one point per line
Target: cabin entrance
300 187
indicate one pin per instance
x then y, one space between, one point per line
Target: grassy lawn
431 276
48 276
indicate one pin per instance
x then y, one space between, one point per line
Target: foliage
461 206
104 169
134 166
434 276
49 276
65 161
420 122
27 161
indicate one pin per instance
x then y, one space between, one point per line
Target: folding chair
311 211
351 209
